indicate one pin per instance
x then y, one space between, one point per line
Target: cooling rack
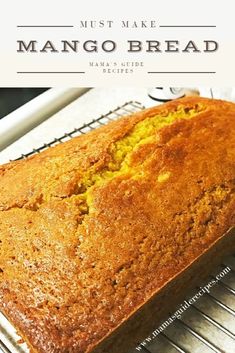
207 326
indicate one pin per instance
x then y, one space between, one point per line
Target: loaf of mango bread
101 235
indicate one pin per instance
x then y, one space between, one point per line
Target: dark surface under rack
178 336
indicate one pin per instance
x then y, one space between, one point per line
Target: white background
71 12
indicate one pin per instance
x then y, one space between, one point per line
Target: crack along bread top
92 228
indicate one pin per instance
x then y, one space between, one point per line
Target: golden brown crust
88 235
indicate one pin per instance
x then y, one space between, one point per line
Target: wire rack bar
173 343
199 336
221 304
4 348
225 286
213 322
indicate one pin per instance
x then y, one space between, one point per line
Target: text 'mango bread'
100 234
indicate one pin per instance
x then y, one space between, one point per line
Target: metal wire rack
207 326
125 109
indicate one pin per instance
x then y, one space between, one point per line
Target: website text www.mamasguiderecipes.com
183 307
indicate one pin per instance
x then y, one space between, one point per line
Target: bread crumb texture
92 228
